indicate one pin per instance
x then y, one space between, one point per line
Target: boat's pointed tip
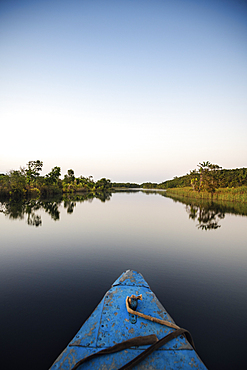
131 277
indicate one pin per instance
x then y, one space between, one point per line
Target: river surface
57 259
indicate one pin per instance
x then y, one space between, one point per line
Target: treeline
220 178
28 181
227 179
125 185
176 182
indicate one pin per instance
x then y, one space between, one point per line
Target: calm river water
58 259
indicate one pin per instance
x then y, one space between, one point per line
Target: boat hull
110 323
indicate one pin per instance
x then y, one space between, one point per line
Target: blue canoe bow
111 324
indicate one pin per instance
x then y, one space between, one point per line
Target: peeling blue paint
110 323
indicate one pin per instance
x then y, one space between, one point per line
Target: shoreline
238 194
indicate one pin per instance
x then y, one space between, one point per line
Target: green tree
52 177
17 182
103 184
206 178
33 171
69 178
4 183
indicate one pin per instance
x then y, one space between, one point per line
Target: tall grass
238 194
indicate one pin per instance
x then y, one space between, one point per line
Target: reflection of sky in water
198 270
132 223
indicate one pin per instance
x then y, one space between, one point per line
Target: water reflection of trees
18 209
29 209
208 214
208 217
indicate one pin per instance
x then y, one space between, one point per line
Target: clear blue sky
131 90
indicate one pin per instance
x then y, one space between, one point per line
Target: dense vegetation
238 194
125 185
28 181
211 181
225 178
208 180
208 177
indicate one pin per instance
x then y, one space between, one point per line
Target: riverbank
238 194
